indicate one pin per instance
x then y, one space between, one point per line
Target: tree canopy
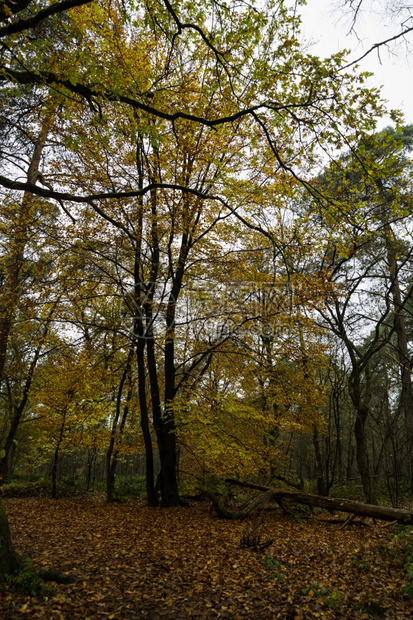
205 252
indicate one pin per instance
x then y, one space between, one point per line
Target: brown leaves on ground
139 562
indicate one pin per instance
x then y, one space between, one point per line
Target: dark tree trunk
165 433
56 456
5 461
321 484
141 308
9 560
91 460
111 455
168 473
110 479
163 421
361 406
362 456
147 439
163 416
18 410
169 459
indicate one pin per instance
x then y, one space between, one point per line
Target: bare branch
199 30
31 22
377 46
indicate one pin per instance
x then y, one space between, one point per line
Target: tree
118 424
166 81
23 379
360 247
13 260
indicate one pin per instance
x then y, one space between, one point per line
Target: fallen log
219 505
270 494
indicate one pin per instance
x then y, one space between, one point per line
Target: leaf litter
132 561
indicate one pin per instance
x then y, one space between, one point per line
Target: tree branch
377 45
31 22
47 78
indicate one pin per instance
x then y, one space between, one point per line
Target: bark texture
279 495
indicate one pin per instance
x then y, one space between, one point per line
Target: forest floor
138 562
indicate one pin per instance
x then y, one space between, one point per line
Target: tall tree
183 86
370 199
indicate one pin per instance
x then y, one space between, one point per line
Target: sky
328 28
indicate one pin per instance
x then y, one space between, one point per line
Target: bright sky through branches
328 29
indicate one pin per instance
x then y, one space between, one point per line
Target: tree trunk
111 457
56 456
9 560
362 456
321 485
169 478
110 478
328 503
5 461
139 303
91 459
169 459
406 394
147 439
19 408
362 412
165 433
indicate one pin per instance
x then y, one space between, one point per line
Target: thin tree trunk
111 457
56 456
321 485
90 462
169 477
169 459
147 439
19 409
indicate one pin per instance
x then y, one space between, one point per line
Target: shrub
28 581
130 486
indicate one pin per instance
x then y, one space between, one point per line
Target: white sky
328 28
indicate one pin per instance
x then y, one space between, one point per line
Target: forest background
206 256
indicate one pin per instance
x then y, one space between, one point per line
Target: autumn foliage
205 270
